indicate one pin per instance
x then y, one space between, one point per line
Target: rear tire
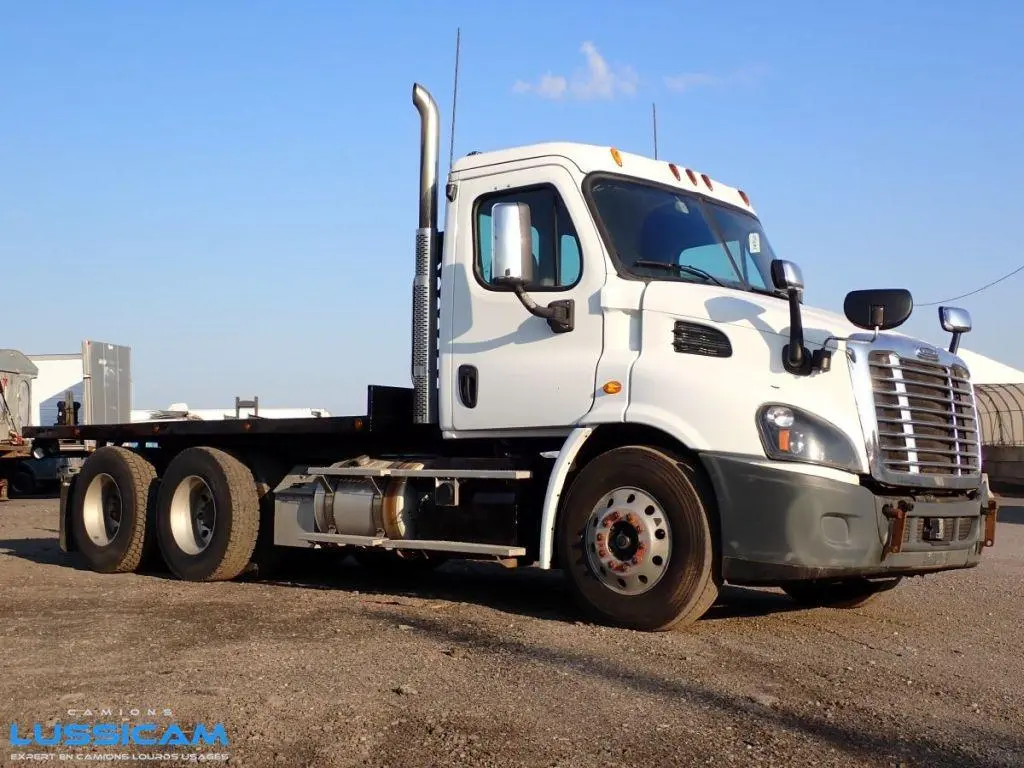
114 490
843 593
23 483
208 515
635 538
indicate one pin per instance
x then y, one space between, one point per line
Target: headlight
789 434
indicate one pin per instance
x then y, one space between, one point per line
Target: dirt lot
484 666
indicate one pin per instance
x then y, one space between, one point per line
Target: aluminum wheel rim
193 515
102 508
628 541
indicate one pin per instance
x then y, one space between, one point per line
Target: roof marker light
616 157
707 181
675 171
692 176
745 198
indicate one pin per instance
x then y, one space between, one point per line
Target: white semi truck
612 374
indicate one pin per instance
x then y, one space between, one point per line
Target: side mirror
511 244
787 276
512 264
957 321
878 309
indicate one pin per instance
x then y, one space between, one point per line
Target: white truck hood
766 314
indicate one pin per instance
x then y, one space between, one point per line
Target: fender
667 422
553 495
655 418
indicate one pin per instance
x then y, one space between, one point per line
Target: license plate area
936 529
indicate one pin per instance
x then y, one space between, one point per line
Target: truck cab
583 287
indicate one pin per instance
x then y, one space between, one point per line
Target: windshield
667 234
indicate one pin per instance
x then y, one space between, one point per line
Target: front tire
208 515
114 490
635 539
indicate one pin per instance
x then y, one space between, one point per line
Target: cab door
509 369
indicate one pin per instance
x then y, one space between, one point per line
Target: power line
978 290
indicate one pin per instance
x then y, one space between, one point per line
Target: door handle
468 385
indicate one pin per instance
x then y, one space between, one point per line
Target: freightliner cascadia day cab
612 374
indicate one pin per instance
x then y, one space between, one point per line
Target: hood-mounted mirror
878 309
787 277
957 321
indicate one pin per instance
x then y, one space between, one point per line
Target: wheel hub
101 510
193 515
628 541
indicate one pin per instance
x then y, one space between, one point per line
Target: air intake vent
697 339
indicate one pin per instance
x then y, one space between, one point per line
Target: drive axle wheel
636 541
208 515
113 492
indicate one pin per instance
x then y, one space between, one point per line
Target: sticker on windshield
754 242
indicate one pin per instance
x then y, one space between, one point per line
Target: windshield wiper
679 269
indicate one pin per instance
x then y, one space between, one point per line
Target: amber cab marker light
675 171
616 157
691 176
611 388
707 181
745 198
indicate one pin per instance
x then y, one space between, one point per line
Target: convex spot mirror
955 319
511 243
881 308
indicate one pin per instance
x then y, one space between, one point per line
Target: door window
557 259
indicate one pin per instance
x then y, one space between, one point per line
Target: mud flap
67 490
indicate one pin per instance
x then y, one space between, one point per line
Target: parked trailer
613 375
16 375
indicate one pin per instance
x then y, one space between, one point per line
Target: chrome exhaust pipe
430 139
424 289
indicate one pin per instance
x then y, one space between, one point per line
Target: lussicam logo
115 734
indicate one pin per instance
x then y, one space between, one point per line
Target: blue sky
230 187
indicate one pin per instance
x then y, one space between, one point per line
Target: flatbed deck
389 411
148 430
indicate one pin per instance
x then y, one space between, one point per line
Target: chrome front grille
926 419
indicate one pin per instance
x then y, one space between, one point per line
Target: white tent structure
985 370
1000 392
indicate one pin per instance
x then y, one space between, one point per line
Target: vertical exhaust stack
424 289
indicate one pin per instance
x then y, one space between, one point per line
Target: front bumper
779 525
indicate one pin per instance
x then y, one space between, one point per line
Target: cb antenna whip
654 125
455 96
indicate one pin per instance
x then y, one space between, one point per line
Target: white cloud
687 81
549 86
597 81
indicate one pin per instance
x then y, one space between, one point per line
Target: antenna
455 96
654 124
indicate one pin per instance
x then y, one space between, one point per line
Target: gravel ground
478 665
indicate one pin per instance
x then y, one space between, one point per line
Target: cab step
441 474
467 547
